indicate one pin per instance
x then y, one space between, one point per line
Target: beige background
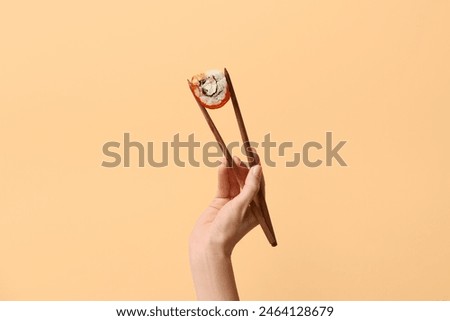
74 75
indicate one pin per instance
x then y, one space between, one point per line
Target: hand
227 219
220 227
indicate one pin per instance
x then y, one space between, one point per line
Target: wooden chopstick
254 208
252 160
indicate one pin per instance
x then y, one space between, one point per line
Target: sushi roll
210 89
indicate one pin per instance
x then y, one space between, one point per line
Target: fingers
257 160
223 185
230 181
251 187
242 170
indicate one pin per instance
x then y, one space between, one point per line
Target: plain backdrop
77 74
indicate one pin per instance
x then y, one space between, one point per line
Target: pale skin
226 220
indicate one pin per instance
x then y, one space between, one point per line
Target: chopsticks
251 160
258 208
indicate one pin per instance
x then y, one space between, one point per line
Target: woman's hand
220 227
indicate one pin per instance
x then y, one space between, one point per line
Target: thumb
251 187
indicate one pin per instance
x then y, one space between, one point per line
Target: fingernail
256 170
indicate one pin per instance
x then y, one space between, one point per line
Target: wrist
208 251
212 272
